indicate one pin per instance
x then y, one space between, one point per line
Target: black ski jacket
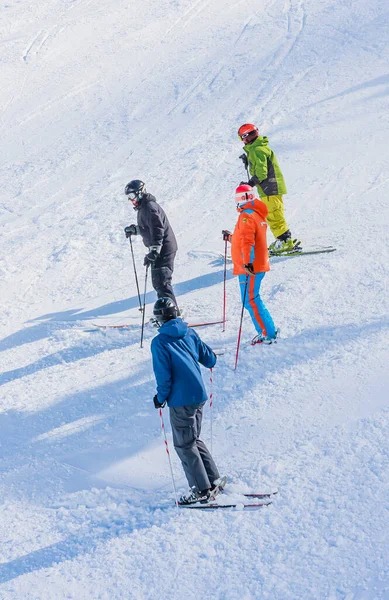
154 226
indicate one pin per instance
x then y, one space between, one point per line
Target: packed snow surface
94 94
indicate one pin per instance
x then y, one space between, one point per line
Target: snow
93 95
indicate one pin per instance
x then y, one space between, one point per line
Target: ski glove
249 268
252 181
130 230
227 235
158 404
244 159
150 258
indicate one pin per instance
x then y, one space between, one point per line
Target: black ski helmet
165 310
136 187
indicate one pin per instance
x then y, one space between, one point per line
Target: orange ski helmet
244 193
248 133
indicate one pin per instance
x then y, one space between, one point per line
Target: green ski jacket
263 163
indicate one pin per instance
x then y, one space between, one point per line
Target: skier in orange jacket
250 257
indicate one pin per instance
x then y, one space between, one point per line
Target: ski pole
244 159
241 321
136 274
168 454
224 286
144 309
211 407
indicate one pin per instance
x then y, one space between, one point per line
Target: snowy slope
94 94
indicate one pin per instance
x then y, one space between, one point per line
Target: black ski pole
224 286
136 274
245 161
241 321
144 308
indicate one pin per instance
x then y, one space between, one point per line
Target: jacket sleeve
157 229
247 235
207 357
162 369
259 165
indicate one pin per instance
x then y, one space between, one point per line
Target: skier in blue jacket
177 351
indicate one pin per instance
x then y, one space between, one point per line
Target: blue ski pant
259 314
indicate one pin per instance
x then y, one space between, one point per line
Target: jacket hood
147 198
261 140
175 328
257 205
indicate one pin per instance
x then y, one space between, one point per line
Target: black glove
244 159
130 230
150 258
249 268
253 181
158 404
226 235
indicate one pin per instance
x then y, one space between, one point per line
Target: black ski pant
197 462
161 276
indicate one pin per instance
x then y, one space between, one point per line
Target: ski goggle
132 196
243 197
245 135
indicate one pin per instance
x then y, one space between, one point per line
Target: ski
127 325
255 495
302 252
214 505
205 324
219 351
124 326
323 250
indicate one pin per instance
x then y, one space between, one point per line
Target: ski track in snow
93 95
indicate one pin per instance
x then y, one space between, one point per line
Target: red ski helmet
244 193
248 133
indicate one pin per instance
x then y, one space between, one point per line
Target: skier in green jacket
267 177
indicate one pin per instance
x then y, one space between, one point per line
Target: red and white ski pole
241 321
168 455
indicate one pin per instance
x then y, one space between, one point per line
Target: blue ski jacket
177 351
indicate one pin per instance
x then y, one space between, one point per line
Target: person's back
249 242
157 235
266 175
154 226
264 165
177 351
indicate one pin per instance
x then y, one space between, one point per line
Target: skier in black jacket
157 234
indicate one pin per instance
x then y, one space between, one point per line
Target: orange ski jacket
248 243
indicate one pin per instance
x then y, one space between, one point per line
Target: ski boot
195 496
263 339
284 244
205 496
218 486
281 246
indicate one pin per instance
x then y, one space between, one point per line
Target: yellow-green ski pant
275 218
